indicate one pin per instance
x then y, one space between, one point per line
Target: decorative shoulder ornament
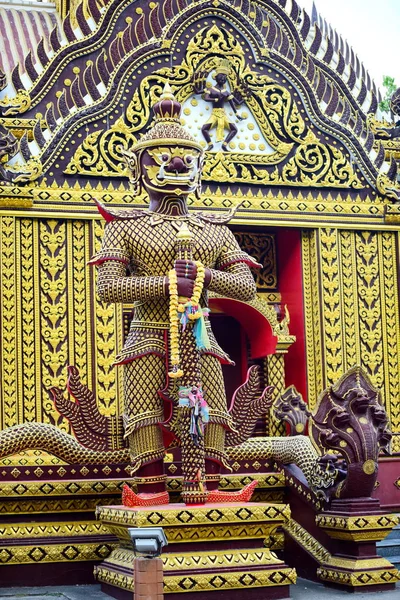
219 219
112 214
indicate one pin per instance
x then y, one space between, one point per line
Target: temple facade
298 146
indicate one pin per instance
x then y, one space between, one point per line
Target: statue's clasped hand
187 269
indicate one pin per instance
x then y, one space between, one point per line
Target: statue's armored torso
146 245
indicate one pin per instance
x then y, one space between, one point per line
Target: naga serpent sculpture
352 402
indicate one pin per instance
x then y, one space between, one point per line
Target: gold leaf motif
272 106
99 153
28 171
20 103
8 325
219 169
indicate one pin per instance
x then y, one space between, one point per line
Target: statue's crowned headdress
166 157
224 67
167 129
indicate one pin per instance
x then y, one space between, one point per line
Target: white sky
372 28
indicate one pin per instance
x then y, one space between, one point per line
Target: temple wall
50 318
351 299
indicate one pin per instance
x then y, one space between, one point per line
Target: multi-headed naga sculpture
351 422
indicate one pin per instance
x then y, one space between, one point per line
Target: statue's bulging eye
164 157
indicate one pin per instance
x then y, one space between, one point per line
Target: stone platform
224 548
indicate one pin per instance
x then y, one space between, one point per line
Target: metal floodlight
148 540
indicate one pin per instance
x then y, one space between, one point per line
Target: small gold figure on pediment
218 95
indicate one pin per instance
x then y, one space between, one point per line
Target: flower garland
174 325
182 313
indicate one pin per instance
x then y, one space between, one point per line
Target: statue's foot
210 146
194 492
243 495
225 147
129 498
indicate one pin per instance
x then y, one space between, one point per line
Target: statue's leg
205 131
214 439
144 410
232 132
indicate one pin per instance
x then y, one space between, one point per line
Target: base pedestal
215 547
355 526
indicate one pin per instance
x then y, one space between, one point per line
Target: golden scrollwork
206 42
391 327
370 316
28 171
298 157
316 163
356 320
53 302
99 153
379 126
314 339
19 103
108 343
42 262
78 254
387 188
351 351
27 317
312 164
396 441
331 303
8 324
261 246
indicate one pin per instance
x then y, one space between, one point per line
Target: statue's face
221 78
172 169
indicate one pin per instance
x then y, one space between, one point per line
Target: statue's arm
232 276
211 95
113 285
235 281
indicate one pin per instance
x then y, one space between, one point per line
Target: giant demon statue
164 260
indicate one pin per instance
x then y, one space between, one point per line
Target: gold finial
167 93
184 233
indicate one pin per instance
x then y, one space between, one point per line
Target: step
388 551
395 560
388 543
395 533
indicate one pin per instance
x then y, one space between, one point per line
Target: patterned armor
136 254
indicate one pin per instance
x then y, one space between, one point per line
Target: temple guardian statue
164 260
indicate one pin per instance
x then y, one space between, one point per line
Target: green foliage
389 84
